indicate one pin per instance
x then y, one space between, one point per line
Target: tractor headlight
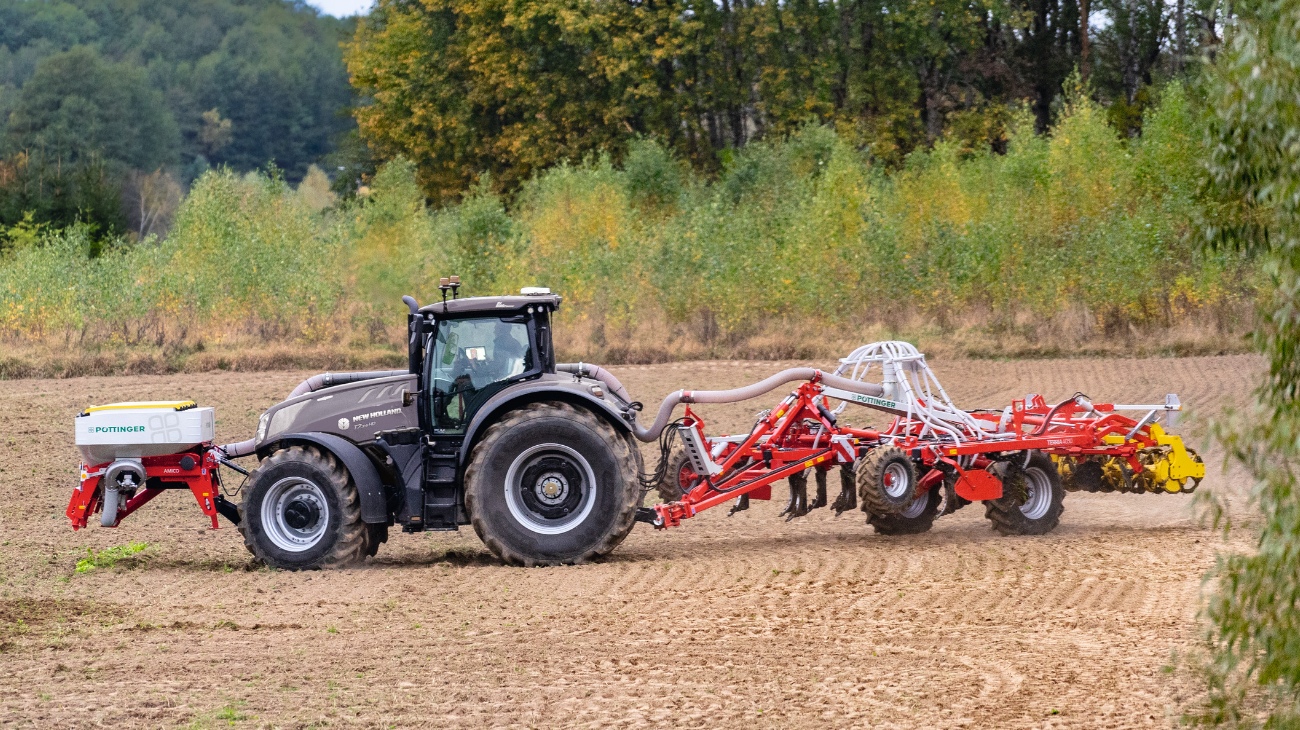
261 426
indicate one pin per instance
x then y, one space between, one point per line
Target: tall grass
1077 240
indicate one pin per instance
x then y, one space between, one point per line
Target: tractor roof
505 304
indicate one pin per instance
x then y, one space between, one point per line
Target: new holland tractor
484 428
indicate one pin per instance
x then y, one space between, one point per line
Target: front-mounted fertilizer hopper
484 428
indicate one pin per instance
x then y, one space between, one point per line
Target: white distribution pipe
750 391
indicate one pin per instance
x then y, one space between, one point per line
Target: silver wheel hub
916 507
897 484
550 489
295 514
1038 494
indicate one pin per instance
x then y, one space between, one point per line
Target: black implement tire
886 481
552 484
916 518
678 475
1032 498
302 512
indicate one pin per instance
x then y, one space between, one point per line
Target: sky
341 8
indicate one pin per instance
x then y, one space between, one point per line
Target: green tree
507 87
1254 179
78 105
272 69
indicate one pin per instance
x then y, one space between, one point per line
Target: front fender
374 505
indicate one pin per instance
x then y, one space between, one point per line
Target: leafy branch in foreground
1254 181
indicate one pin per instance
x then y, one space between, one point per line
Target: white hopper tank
133 430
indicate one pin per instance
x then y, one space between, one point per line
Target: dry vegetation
1073 243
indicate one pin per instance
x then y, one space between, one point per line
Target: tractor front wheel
302 512
551 484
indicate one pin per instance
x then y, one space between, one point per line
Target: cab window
470 360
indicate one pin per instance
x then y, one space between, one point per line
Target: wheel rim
897 484
550 489
295 514
915 507
686 478
1038 494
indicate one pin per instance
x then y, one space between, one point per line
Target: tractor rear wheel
552 484
1032 498
303 512
915 518
679 475
886 481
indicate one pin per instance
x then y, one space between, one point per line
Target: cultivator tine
798 504
742 504
848 496
819 500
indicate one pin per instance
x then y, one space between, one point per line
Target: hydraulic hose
595 372
242 448
326 380
665 413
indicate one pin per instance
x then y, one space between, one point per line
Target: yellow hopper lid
175 405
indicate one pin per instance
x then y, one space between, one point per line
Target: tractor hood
355 411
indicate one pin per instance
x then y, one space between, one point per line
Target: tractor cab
467 350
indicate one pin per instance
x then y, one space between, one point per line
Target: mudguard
374 505
564 388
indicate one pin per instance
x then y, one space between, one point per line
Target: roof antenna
443 285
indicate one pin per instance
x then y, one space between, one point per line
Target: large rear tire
552 484
303 512
1032 498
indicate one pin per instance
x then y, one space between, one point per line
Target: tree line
109 107
505 88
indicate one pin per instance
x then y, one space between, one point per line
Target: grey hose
243 448
326 380
596 372
750 391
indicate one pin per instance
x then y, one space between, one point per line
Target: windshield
469 357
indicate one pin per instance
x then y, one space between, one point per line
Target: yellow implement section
175 405
1168 467
1170 464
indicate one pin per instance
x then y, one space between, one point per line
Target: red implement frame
801 433
163 473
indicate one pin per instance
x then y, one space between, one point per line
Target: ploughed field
746 621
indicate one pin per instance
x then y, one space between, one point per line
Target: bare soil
746 621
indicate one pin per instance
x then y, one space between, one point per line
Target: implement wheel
1032 498
302 512
679 476
551 484
886 481
916 518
